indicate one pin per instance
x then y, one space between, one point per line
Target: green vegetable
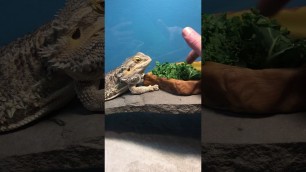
181 71
251 40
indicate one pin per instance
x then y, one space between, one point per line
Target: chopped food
250 40
180 71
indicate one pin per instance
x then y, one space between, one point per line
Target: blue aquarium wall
20 17
150 26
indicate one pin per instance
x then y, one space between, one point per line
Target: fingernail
187 31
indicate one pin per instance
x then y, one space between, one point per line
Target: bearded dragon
42 71
127 76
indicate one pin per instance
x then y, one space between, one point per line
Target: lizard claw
154 87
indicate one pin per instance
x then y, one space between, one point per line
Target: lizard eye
76 34
137 59
128 69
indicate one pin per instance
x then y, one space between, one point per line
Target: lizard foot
153 87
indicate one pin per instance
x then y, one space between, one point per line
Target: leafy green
181 71
251 40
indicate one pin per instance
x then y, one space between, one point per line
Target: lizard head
133 66
76 40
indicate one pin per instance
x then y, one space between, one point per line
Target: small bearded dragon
127 76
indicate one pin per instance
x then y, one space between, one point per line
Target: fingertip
187 31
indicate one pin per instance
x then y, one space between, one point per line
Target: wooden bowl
262 91
265 91
175 86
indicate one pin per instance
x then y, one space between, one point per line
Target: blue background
19 17
149 26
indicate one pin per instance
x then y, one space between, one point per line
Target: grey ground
241 142
155 131
73 138
156 102
153 142
70 139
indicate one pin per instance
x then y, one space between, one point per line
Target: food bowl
175 86
258 91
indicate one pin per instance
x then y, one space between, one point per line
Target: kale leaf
181 71
250 40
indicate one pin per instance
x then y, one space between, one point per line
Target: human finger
192 56
193 39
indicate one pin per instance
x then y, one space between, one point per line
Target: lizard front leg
142 89
89 94
136 79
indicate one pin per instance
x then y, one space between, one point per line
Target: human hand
193 39
271 7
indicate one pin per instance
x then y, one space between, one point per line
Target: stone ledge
225 128
156 102
242 142
68 139
79 157
254 157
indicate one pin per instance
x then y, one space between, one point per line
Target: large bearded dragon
127 76
41 72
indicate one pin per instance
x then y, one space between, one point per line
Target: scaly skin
41 72
127 76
